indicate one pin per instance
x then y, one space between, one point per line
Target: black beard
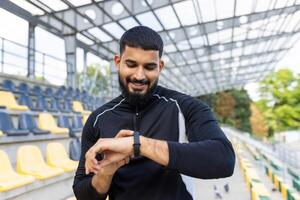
136 99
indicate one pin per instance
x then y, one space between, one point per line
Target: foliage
231 107
280 100
258 122
96 79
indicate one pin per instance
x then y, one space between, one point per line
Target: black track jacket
197 147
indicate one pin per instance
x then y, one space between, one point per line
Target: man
134 147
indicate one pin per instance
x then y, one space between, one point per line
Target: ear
117 60
161 65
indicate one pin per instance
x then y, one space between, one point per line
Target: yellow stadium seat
259 190
77 107
58 157
84 118
30 161
9 179
47 122
8 100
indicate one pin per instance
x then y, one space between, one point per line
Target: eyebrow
146 64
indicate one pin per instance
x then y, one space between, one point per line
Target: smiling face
138 70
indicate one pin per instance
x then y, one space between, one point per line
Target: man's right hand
92 165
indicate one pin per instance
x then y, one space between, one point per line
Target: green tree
280 100
96 79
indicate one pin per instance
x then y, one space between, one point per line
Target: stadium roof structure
210 45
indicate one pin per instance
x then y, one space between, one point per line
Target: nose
139 73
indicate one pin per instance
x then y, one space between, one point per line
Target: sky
53 45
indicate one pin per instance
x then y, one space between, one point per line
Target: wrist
98 181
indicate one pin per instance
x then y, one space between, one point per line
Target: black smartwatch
136 143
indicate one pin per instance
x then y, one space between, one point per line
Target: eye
130 64
151 66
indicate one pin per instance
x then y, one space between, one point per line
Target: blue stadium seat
75 149
77 95
7 126
54 105
66 106
63 121
26 100
70 93
77 121
60 93
24 88
37 90
49 92
26 121
41 103
8 85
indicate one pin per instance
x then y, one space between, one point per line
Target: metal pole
2 55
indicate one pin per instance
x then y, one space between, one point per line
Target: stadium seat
63 121
47 122
41 103
77 107
49 92
77 121
54 105
60 93
30 161
26 121
75 149
37 91
9 179
66 107
24 89
58 157
84 118
8 85
8 100
70 93
7 126
77 95
26 101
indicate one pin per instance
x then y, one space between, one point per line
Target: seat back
60 93
67 106
41 103
28 157
5 122
75 149
25 100
7 98
27 122
8 85
49 92
77 106
56 152
46 121
63 121
37 90
77 122
55 104
5 163
24 88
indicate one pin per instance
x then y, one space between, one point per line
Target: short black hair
142 37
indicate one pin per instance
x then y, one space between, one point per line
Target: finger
127 159
124 133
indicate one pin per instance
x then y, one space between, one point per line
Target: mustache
143 81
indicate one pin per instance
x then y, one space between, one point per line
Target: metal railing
14 60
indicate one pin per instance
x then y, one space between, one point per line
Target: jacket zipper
136 114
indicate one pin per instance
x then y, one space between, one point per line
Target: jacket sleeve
209 154
82 185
